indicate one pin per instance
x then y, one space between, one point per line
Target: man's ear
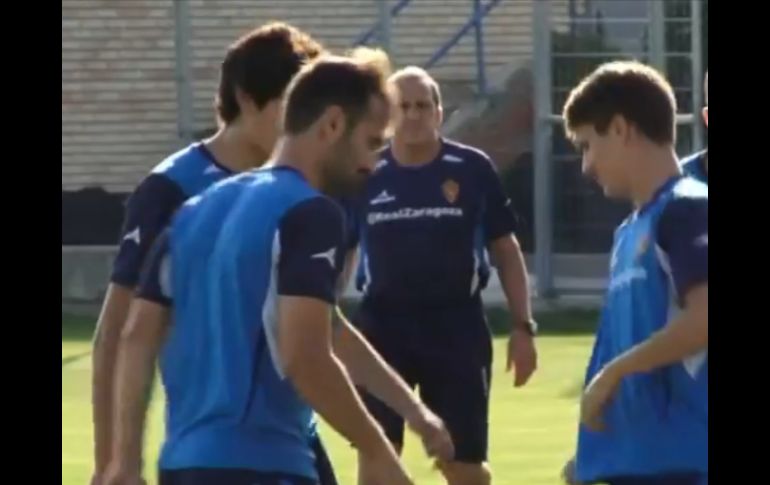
332 124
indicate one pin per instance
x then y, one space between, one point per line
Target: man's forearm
683 337
321 379
347 271
369 370
512 272
104 356
139 348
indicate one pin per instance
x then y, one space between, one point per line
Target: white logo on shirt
383 198
211 169
133 236
329 255
452 158
702 241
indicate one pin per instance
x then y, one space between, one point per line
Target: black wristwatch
529 327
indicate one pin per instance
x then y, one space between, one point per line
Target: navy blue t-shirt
154 201
695 166
424 231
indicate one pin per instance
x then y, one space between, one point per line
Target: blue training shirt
226 257
657 422
423 231
695 166
151 205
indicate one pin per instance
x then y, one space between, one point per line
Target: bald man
431 213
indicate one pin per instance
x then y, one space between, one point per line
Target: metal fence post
696 63
657 26
184 93
385 28
481 77
542 149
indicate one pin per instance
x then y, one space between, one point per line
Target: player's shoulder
694 165
687 203
192 168
455 152
692 159
689 189
315 211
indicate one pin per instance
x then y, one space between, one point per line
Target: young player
252 267
254 74
697 164
430 212
644 411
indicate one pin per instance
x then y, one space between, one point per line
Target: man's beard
338 179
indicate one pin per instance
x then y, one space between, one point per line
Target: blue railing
366 36
476 22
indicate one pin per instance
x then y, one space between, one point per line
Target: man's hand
120 475
382 467
435 436
522 356
596 396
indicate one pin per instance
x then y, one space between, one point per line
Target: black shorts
668 479
323 464
447 355
220 476
205 476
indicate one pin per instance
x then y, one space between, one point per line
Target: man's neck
297 153
416 154
654 169
234 151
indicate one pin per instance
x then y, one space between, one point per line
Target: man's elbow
145 325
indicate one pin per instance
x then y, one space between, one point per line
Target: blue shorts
447 354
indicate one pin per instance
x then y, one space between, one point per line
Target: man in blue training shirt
254 74
697 164
429 213
252 266
644 411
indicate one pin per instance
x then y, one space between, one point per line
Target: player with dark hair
644 410
252 266
254 74
697 164
430 212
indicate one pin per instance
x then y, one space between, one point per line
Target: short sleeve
155 278
683 242
312 238
148 212
498 218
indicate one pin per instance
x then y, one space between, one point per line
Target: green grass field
532 430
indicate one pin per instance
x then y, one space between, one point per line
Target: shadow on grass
73 358
76 328
555 322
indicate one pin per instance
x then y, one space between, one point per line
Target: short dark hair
261 64
347 82
706 86
637 92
